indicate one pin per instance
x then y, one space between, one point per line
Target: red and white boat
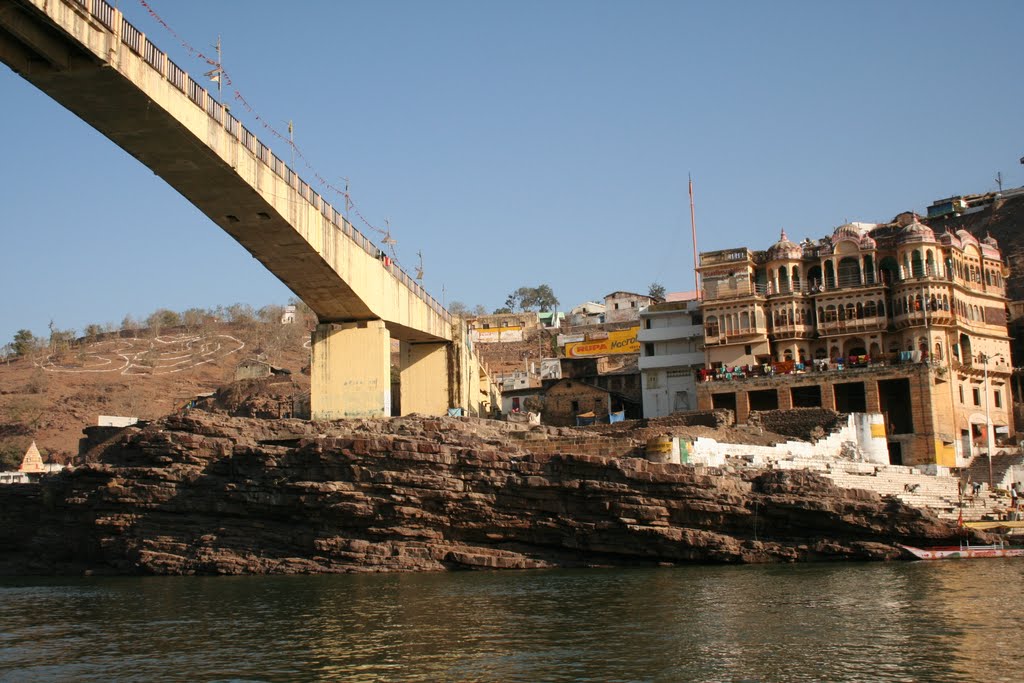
963 552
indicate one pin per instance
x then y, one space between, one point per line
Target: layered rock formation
213 494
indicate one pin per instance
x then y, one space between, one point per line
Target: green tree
529 298
162 318
92 331
502 310
656 291
24 342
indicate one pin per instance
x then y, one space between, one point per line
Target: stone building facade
890 317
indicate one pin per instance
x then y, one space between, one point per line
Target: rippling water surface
945 621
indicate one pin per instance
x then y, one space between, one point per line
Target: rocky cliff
212 494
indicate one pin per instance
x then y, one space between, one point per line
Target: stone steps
938 493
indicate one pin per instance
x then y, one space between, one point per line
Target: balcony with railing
875 323
790 331
714 336
718 290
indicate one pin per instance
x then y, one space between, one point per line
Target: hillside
50 397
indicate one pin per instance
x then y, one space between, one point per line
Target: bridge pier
350 371
425 378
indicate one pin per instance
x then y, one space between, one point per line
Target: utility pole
989 437
291 141
693 232
216 74
348 200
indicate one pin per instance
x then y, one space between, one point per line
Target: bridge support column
350 371
425 378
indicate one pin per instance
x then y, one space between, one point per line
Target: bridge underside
87 58
117 92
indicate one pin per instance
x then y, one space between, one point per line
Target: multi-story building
672 352
884 318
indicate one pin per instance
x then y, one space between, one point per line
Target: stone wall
799 423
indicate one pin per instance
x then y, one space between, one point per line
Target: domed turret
966 237
868 242
784 249
949 239
990 241
848 231
916 232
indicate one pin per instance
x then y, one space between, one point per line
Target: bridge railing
136 41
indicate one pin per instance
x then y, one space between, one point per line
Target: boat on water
964 552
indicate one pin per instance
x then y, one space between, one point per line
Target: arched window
860 310
938 350
783 280
711 326
869 310
849 272
917 266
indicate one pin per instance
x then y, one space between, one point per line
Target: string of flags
218 74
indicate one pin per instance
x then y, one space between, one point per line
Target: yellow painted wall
424 372
618 341
351 371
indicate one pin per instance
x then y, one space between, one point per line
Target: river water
939 621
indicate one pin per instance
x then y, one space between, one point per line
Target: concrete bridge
84 55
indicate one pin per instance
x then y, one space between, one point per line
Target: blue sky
520 143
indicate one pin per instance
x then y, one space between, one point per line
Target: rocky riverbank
211 494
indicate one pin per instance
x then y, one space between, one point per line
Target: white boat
963 552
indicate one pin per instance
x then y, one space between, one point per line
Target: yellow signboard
619 341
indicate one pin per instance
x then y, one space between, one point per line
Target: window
575 406
616 306
961 393
647 324
998 398
748 349
648 349
632 304
976 395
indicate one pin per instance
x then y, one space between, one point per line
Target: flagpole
693 231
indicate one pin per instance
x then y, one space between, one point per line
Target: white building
671 351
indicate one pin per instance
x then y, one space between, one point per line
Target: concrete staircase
1001 464
938 493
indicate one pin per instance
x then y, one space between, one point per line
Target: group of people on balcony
789 367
